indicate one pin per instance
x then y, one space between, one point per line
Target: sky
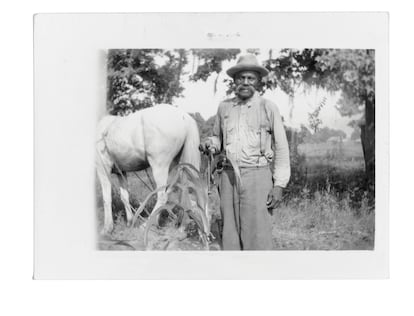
200 97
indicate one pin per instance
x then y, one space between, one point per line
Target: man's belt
223 163
228 166
249 166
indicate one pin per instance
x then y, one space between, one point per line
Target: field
328 205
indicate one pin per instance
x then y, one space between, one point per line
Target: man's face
246 83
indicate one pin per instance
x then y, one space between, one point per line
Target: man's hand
207 146
274 197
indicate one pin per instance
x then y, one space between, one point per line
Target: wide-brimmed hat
247 63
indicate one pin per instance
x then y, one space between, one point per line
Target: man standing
249 130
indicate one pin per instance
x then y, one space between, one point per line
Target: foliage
210 61
305 133
356 125
314 120
324 134
330 208
336 167
140 78
351 71
356 134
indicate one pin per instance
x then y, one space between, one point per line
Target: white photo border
70 92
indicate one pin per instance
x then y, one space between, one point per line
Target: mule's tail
190 153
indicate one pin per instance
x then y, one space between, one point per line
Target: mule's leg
107 198
123 183
160 174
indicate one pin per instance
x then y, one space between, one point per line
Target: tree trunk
368 139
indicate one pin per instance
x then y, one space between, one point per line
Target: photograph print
237 149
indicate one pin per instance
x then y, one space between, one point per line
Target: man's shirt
252 133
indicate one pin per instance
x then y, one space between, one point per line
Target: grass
323 221
328 205
132 238
348 149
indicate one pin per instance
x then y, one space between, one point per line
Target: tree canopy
139 78
348 71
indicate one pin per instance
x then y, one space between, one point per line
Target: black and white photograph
209 158
237 149
173 152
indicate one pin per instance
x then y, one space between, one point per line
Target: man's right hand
206 146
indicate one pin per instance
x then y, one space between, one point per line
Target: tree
325 133
138 78
314 121
351 72
210 61
305 135
356 134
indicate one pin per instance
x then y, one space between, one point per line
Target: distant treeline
295 136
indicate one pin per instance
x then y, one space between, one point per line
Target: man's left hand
274 197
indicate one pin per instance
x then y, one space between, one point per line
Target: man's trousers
247 224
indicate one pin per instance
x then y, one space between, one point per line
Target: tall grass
323 220
328 205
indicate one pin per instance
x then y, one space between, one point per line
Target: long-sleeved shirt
252 133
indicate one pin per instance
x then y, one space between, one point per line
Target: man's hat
247 63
